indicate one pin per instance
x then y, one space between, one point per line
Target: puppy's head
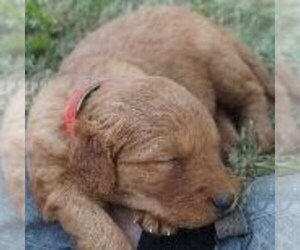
149 144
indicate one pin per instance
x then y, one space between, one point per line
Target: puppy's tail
259 70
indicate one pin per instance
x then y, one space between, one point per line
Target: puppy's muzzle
223 202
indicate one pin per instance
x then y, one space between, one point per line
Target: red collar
75 102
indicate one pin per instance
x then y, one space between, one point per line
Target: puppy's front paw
153 224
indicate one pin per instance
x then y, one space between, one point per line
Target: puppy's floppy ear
90 160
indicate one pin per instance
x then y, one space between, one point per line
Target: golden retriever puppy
130 119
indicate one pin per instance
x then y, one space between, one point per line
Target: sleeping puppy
136 116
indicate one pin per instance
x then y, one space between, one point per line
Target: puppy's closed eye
177 161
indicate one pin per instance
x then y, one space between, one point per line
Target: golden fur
151 137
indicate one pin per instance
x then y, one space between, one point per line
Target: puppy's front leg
228 132
91 227
153 224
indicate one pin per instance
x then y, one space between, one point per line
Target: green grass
11 37
246 160
54 27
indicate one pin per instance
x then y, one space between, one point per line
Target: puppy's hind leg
254 63
89 224
237 87
228 133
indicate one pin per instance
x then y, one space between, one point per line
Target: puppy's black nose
223 201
